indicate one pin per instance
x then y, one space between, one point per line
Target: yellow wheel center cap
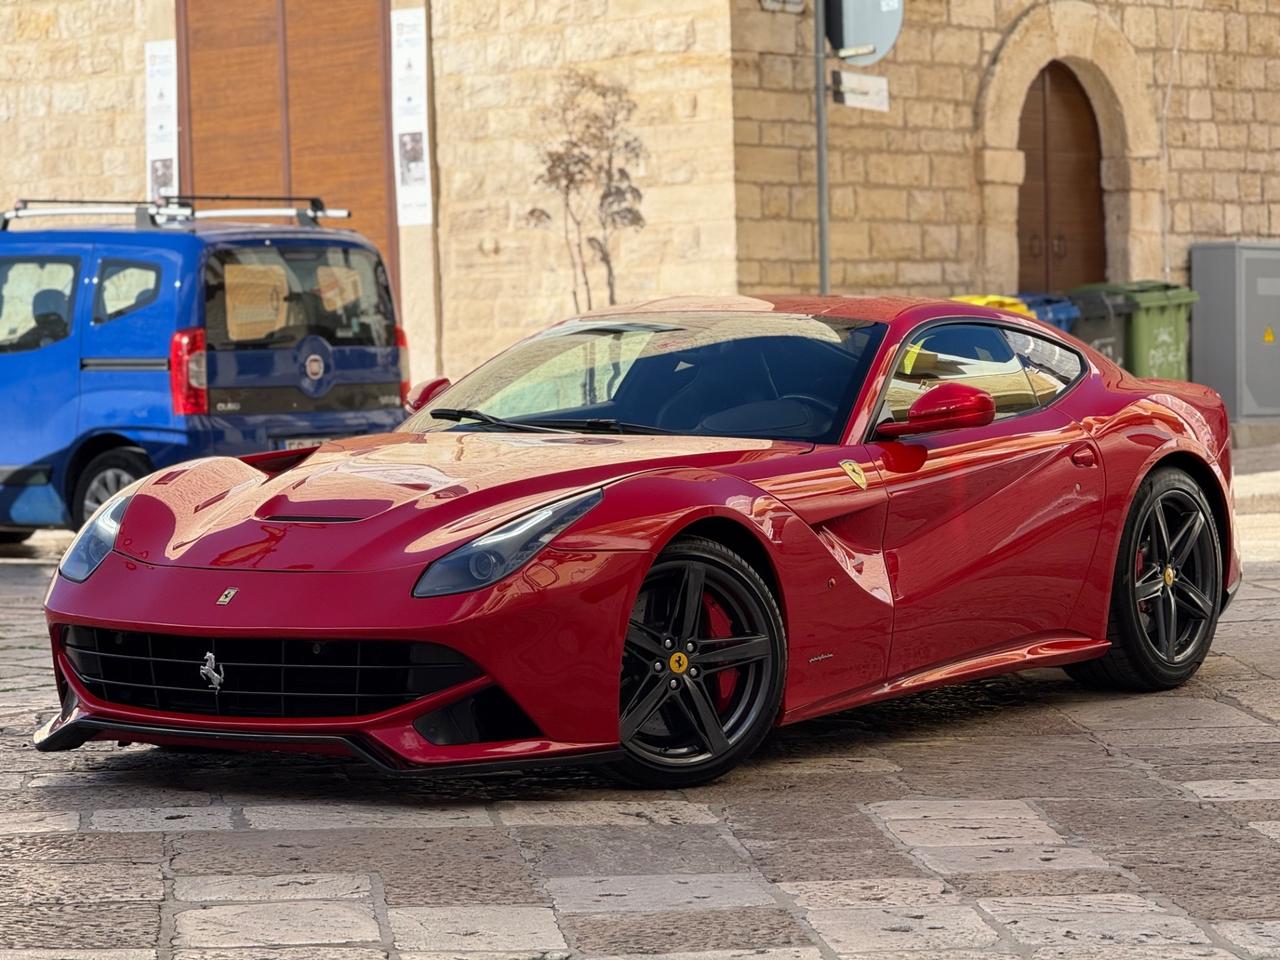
1168 576
678 663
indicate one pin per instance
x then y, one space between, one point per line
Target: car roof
182 233
899 313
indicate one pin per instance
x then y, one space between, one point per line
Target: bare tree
587 167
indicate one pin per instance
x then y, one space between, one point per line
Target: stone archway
1133 174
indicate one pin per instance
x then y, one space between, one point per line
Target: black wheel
105 475
702 667
1167 590
15 536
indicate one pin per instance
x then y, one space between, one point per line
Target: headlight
96 538
502 552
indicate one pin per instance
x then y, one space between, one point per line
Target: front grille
260 677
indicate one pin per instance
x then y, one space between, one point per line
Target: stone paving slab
897 928
291 886
703 891
477 929
268 924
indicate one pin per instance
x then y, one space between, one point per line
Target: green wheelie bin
1158 336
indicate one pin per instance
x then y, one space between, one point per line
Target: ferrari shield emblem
855 473
228 595
678 663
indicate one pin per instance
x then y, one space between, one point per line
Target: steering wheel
829 408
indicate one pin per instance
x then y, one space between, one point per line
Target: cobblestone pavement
1017 817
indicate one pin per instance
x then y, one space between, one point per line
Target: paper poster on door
409 98
162 117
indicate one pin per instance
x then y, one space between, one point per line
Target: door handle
1060 246
1084 457
1037 246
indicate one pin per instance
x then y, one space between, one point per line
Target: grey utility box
1235 328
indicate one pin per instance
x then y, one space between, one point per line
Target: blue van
127 349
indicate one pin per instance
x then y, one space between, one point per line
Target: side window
968 353
36 297
1050 368
124 286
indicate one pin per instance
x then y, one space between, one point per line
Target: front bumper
549 637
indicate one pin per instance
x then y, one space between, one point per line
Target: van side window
36 297
969 353
123 286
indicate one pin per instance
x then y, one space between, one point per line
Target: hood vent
303 518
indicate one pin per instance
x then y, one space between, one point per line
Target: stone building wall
72 101
496 66
924 197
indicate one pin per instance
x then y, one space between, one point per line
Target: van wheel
15 536
107 474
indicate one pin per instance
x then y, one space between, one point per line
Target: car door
41 305
124 344
988 528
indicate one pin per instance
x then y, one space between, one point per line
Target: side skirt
1044 652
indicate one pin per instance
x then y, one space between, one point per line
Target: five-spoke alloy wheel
1167 591
702 666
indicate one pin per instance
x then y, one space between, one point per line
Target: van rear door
301 341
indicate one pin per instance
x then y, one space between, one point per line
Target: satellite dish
863 31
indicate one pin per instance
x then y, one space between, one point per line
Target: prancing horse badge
228 595
855 473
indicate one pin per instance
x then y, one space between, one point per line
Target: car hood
390 500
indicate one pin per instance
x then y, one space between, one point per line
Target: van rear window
260 297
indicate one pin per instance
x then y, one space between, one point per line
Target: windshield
272 296
778 377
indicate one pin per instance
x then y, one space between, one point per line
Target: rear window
35 301
272 296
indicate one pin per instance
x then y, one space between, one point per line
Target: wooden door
292 97
1061 229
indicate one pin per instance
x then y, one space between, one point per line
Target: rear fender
1138 440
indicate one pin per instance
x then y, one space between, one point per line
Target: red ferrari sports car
649 534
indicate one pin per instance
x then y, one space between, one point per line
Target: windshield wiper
459 414
602 425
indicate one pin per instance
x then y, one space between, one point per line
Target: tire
700 690
104 475
14 536
1166 592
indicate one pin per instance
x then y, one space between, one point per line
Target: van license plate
297 443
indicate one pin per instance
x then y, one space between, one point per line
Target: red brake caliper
719 625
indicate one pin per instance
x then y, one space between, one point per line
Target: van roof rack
144 213
306 211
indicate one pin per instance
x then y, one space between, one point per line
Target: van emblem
211 672
228 595
314 366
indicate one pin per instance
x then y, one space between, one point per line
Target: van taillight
402 348
189 372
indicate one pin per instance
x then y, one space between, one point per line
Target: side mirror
424 392
948 406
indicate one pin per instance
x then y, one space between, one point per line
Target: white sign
409 99
782 6
162 118
862 91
